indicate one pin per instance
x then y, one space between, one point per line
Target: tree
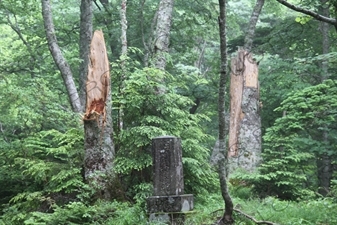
58 57
162 33
99 149
252 25
324 166
222 170
294 142
324 160
245 121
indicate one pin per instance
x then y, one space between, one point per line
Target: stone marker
168 202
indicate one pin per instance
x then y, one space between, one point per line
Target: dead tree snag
245 124
99 147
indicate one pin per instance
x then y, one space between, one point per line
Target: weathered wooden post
168 203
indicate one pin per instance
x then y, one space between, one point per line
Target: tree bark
57 55
124 27
245 124
84 45
95 80
222 170
99 147
162 33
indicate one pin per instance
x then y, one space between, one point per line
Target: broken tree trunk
99 148
245 125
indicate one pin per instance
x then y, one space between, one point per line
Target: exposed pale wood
236 114
98 75
99 146
244 107
250 73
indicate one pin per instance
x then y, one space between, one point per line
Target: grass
313 212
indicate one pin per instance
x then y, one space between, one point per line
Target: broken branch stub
98 80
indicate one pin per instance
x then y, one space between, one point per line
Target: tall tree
324 161
324 167
222 170
162 33
58 57
99 148
124 27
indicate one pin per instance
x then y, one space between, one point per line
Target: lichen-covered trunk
99 146
245 124
162 33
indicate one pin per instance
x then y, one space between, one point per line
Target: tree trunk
324 162
95 79
124 41
99 147
162 33
245 123
84 45
252 25
222 170
60 61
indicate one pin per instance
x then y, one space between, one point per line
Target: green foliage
288 212
148 114
109 213
290 146
44 173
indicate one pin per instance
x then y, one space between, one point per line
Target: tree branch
59 60
253 219
310 13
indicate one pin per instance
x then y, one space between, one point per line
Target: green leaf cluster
296 140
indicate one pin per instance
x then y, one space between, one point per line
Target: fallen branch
248 217
253 219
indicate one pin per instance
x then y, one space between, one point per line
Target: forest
67 158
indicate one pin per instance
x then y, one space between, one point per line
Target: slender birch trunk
252 25
228 214
124 27
58 57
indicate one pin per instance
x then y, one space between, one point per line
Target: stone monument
168 203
